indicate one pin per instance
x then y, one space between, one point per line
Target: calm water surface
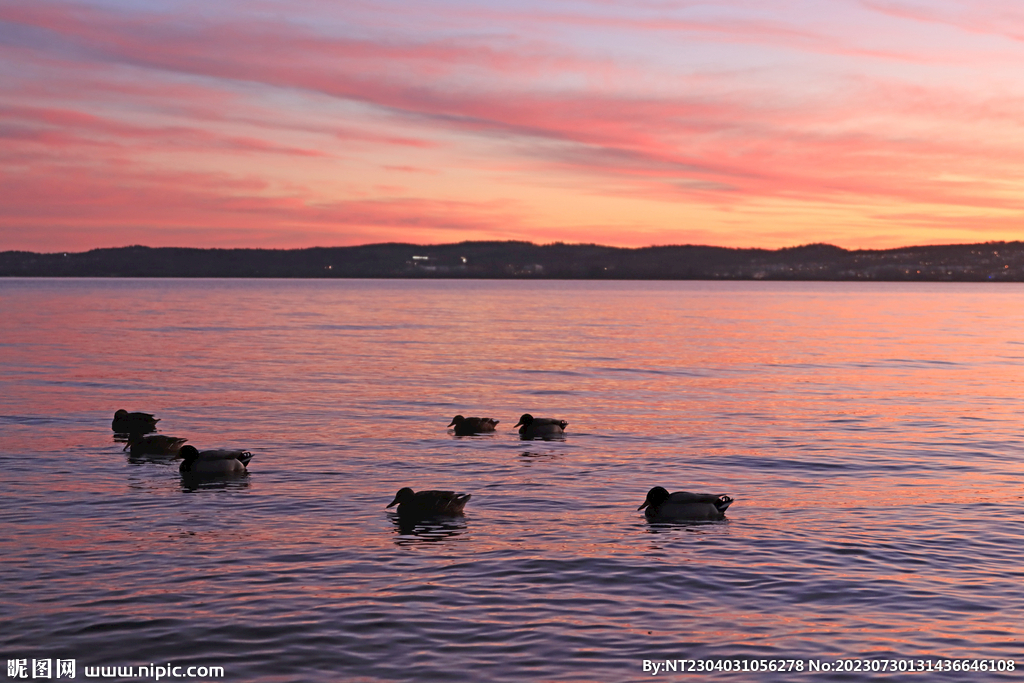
871 435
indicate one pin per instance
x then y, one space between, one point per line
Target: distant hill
991 261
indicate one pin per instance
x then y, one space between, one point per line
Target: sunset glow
863 123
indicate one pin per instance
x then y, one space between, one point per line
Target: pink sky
767 123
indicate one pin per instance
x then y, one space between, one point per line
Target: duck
540 427
154 444
664 506
429 503
213 462
467 426
133 423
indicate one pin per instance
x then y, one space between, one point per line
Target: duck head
404 495
458 419
655 497
525 420
189 453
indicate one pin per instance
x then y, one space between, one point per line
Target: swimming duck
662 505
467 426
213 462
154 444
133 423
540 427
429 503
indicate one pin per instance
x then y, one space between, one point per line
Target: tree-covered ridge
992 261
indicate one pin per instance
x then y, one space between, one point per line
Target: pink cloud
54 127
69 202
982 16
108 97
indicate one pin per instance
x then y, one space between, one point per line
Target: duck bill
392 503
646 503
518 424
452 424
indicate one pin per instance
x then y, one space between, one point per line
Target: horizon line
536 244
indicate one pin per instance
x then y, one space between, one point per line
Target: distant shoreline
981 262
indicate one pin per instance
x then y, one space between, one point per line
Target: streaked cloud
865 123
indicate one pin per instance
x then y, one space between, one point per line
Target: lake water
871 435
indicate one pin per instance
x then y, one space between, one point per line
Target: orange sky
767 123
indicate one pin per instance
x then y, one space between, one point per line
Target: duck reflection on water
531 457
192 484
412 531
152 458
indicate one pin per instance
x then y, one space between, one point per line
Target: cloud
232 118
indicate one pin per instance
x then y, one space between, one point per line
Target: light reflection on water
869 433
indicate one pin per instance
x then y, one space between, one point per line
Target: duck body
133 423
467 426
429 503
531 427
154 444
664 506
214 462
